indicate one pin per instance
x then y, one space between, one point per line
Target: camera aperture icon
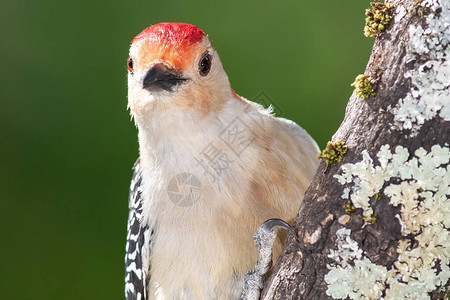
184 189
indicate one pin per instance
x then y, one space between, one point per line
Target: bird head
173 66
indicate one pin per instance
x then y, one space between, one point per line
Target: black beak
159 77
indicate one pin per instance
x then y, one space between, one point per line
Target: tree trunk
377 224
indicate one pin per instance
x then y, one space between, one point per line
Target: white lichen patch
400 12
367 179
359 280
347 249
423 195
430 92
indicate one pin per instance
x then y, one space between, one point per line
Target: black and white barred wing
138 246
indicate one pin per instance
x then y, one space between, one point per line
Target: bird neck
174 141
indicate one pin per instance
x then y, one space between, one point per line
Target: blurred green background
67 142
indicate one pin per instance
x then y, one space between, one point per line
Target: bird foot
264 239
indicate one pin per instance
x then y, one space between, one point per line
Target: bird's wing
301 134
139 241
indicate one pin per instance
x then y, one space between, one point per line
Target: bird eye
204 65
130 64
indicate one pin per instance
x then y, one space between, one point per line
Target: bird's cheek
199 99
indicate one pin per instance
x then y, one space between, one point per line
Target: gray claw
271 223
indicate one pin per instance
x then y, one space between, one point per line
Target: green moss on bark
378 17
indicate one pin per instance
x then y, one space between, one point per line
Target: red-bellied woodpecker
213 166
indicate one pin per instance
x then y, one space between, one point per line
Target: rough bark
399 72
